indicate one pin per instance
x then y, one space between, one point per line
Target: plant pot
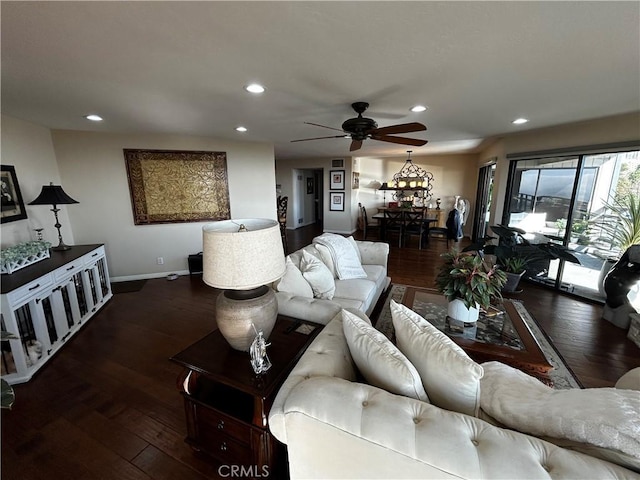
513 280
458 311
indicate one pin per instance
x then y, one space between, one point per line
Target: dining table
427 221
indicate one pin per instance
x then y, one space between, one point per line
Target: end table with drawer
227 405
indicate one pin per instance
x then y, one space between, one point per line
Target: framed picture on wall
336 201
11 204
336 181
337 163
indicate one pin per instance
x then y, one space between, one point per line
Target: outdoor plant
626 231
514 253
468 277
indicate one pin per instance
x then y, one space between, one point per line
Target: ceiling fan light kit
362 128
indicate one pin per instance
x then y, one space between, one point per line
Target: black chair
368 228
393 224
282 220
413 225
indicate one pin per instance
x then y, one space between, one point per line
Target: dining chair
282 220
413 225
393 224
368 228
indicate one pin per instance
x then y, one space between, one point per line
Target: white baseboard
146 276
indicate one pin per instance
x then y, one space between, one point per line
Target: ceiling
180 67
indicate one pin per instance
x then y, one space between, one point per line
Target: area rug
561 374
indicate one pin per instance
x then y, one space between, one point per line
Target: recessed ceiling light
254 88
93 118
519 121
418 108
241 129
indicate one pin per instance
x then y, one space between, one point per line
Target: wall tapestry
177 186
11 204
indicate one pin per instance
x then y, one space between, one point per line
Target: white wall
28 147
93 168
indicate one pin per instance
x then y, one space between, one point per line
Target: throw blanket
345 258
604 417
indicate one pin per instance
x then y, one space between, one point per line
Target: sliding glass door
568 200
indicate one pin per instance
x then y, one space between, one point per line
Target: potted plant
621 233
469 283
514 267
515 254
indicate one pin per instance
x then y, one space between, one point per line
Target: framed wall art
11 204
336 180
170 186
336 202
356 180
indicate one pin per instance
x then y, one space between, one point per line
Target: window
568 200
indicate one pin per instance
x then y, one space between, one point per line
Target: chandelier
412 178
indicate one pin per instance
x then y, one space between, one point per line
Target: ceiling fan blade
324 126
355 145
317 138
401 128
401 140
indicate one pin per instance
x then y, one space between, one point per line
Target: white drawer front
69 269
29 289
92 256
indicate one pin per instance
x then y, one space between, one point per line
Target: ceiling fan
360 128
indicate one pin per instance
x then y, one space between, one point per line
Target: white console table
46 303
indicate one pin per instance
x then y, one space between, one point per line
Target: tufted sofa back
337 428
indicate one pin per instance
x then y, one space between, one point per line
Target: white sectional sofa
337 426
296 299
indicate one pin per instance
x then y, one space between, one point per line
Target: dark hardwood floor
107 407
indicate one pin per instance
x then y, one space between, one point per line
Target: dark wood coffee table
227 405
504 337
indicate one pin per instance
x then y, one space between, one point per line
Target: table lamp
54 195
243 256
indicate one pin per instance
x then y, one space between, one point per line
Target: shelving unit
46 303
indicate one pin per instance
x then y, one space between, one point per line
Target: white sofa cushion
325 256
450 377
293 281
355 246
608 418
318 275
379 360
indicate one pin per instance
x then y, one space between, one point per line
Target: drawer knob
223 447
221 425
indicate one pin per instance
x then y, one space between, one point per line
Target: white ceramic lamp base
237 317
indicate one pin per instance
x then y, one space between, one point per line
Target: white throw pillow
379 360
450 377
293 281
352 241
318 275
325 256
